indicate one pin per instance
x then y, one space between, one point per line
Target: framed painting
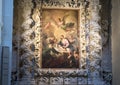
58 41
60 38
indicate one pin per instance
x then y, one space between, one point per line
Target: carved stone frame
29 44
90 39
69 5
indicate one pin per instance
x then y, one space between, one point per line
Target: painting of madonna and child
60 39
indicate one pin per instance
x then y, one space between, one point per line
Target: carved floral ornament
89 38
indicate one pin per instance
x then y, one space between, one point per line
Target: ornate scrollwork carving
30 41
62 3
104 25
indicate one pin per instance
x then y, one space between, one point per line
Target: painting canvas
60 38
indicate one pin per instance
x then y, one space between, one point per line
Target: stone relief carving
30 43
63 3
104 25
106 73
